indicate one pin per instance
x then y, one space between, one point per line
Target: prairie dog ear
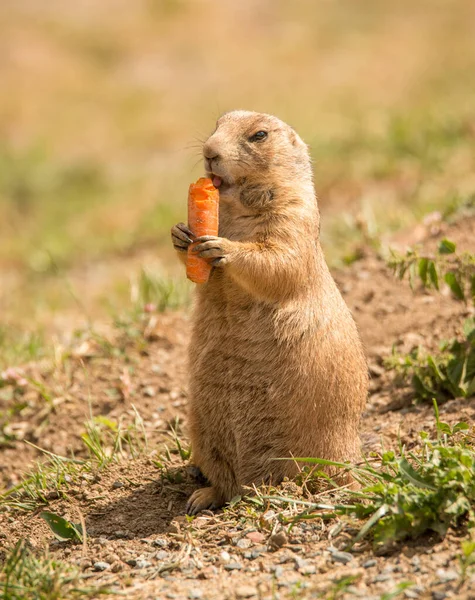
295 139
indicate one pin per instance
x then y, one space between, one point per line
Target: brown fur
276 365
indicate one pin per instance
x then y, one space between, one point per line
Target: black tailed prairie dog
276 365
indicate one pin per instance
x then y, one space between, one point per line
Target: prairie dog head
255 158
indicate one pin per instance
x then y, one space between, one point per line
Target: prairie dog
276 365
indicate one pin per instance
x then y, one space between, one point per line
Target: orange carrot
203 212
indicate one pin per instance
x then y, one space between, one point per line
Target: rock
246 591
308 570
52 495
439 595
416 564
195 594
370 563
446 575
174 527
102 541
381 577
277 540
84 563
120 534
160 543
278 571
300 563
256 537
389 569
111 558
341 557
162 555
233 566
116 567
253 554
117 484
142 563
244 543
224 557
101 566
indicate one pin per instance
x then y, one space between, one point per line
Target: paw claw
200 500
181 237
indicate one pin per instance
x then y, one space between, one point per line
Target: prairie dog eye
258 137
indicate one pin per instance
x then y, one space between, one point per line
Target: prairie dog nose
210 152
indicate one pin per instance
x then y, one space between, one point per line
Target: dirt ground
139 540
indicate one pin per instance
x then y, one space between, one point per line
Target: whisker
196 164
198 139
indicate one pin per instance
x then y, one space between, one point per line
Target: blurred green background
104 104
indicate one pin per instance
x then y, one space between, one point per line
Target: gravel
233 566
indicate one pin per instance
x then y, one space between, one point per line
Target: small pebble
278 570
277 540
246 591
370 563
162 555
195 594
244 543
224 557
121 534
256 537
439 595
111 558
233 566
300 563
308 570
84 563
101 566
117 484
381 577
341 557
142 564
160 543
446 575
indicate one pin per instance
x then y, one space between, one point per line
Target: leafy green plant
405 494
456 269
467 558
24 575
450 373
62 528
447 374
